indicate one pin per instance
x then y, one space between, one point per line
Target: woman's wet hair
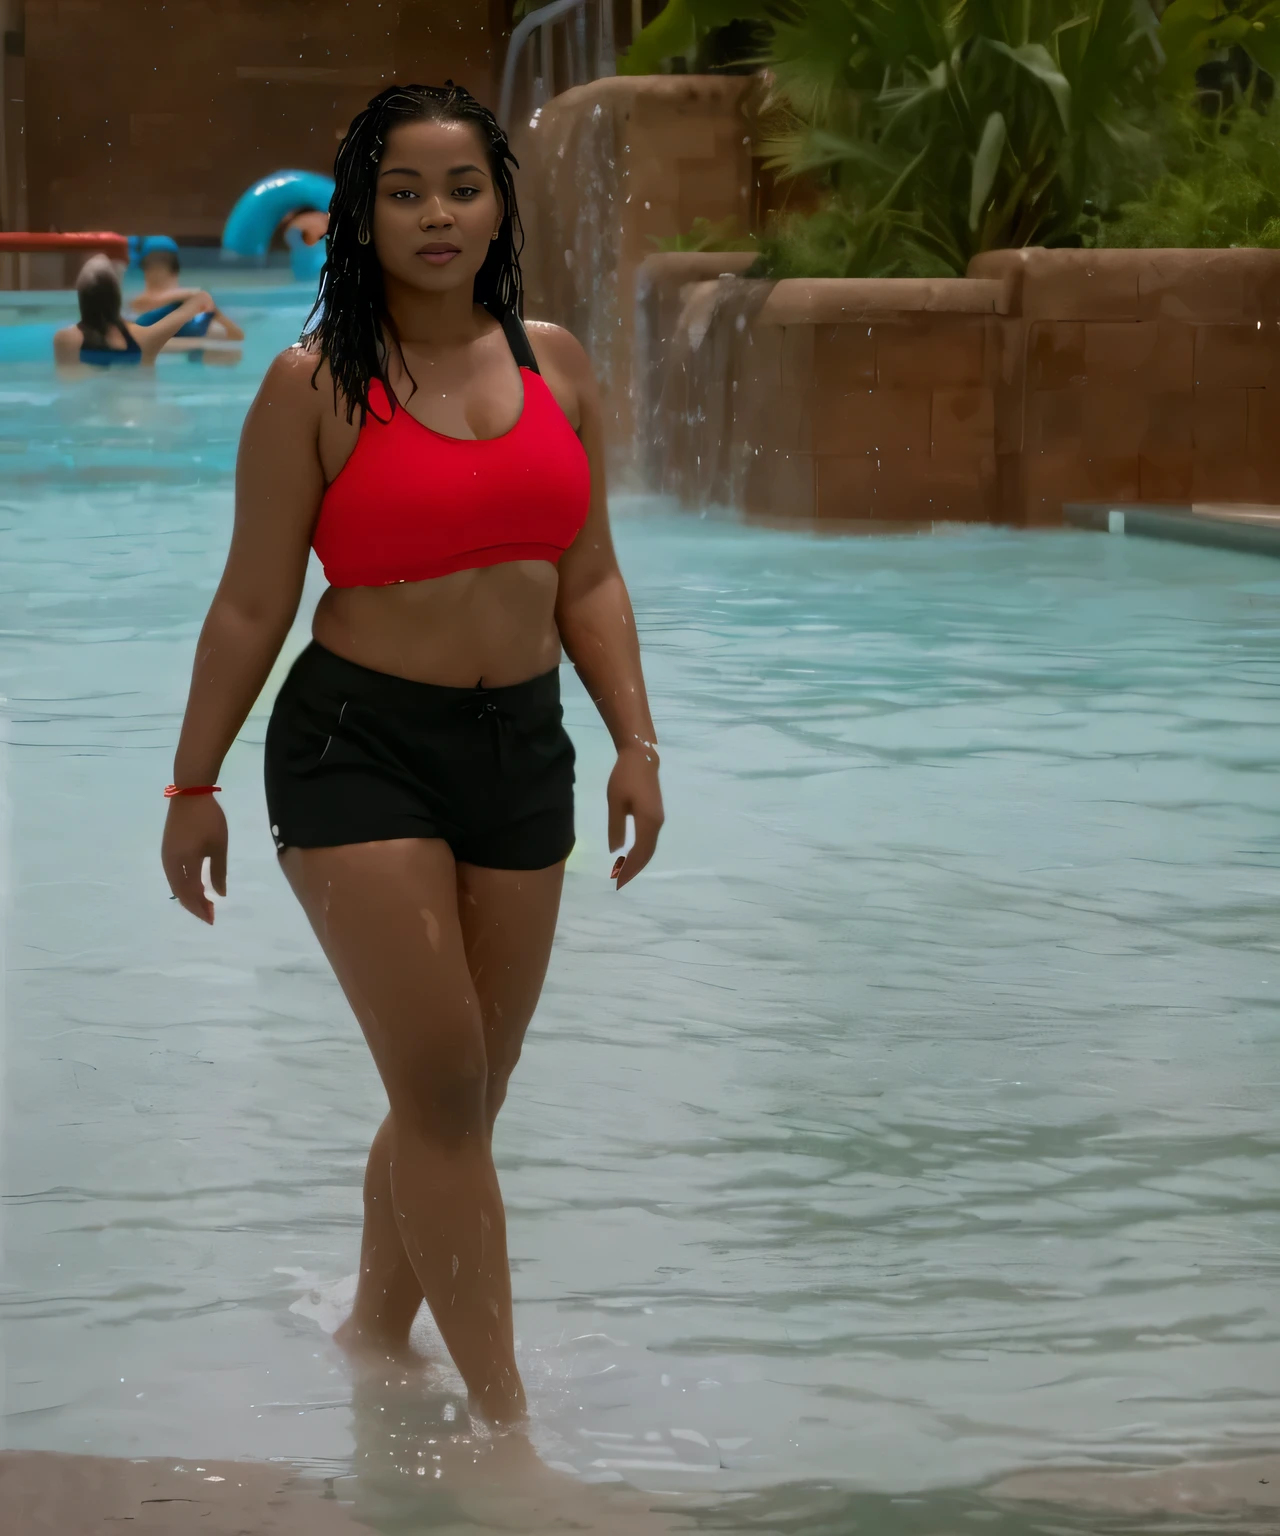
98 289
350 315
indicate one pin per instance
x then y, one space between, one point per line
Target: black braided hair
350 314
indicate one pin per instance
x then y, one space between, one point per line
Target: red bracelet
192 789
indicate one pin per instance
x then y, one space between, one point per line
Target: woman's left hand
633 791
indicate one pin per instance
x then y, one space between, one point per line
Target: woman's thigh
386 915
508 921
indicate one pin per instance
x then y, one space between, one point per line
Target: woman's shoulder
300 376
297 380
567 369
66 343
562 349
293 372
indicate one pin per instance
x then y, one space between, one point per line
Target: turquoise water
910 1122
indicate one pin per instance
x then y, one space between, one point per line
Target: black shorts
356 756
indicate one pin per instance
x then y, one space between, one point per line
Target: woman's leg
508 920
387 1291
387 916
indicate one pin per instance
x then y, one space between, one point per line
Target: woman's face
436 208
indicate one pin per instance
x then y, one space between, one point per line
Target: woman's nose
436 215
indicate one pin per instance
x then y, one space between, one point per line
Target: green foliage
840 241
706 236
948 127
937 129
1221 188
1192 31
678 29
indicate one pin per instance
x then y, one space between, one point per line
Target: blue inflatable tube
257 215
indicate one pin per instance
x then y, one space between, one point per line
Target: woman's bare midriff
494 626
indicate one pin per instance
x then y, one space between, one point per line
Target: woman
103 337
448 469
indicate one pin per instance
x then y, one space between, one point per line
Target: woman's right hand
195 830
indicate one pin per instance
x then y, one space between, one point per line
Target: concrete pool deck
1253 530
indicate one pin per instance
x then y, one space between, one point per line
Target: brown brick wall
819 399
154 115
1137 376
1044 377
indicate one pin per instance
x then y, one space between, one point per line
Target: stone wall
1137 376
607 169
1043 377
141 115
868 400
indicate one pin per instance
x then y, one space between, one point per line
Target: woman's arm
151 338
141 302
279 484
598 628
230 330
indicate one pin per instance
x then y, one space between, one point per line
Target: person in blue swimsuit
162 294
103 338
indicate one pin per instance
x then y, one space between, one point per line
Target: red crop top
411 503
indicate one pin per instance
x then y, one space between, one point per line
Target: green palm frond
955 126
941 128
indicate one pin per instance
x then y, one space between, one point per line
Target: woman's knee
438 1089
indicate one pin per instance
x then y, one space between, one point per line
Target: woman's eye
466 192
402 192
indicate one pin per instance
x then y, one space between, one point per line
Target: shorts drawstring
487 709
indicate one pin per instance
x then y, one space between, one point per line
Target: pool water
911 1121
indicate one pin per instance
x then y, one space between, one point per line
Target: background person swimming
103 337
161 292
160 265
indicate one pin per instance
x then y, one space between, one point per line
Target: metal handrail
542 20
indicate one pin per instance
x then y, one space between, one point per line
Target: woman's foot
365 1343
504 1409
506 1485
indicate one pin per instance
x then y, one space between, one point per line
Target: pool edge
1176 524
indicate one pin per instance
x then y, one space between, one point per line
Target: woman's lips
439 256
